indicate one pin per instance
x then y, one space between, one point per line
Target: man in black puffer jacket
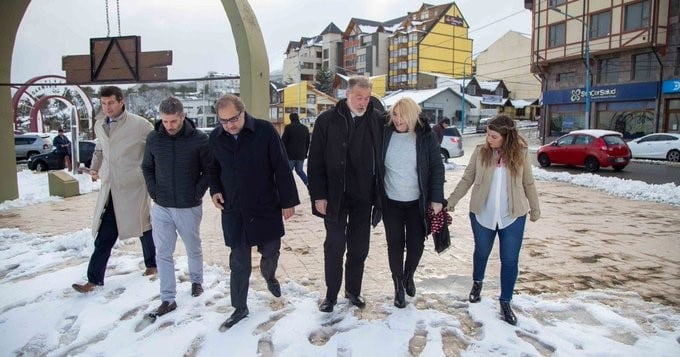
174 166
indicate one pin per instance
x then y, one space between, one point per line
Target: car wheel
591 164
618 167
673 155
445 155
30 154
544 160
40 166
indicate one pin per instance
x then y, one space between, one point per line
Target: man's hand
320 206
218 200
95 175
436 207
288 212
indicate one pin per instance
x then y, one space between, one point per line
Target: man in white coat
117 161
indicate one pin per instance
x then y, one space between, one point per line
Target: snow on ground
41 315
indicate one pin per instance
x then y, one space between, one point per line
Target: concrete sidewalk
585 239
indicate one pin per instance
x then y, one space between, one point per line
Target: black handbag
442 239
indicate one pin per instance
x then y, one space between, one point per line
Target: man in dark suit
296 140
251 182
343 167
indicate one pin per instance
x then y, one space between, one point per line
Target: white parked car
665 146
452 143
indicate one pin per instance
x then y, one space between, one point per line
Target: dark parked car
481 126
591 148
50 160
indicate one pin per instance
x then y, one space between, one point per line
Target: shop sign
619 92
670 86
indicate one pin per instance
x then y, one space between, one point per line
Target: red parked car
591 148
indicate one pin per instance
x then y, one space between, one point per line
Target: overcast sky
199 33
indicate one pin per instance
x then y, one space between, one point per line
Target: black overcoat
254 177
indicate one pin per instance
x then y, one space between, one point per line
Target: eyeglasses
233 119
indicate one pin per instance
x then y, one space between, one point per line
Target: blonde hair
409 111
513 147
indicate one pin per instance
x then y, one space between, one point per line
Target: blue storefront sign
670 86
618 92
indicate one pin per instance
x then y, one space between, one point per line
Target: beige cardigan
522 192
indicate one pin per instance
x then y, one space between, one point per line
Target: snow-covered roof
422 95
488 85
521 103
368 29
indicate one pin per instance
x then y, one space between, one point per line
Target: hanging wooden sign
117 59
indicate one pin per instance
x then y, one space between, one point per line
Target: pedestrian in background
438 129
344 159
62 147
117 159
503 191
174 166
252 184
414 182
296 141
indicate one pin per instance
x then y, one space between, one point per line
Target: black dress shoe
274 287
508 315
238 315
356 300
327 305
475 293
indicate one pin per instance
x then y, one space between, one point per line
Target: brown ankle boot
150 271
84 288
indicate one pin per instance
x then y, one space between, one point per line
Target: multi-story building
631 80
365 44
332 51
303 59
508 58
432 39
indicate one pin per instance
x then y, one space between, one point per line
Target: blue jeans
510 242
297 165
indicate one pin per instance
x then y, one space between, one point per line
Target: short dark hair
444 121
171 105
60 130
108 91
294 117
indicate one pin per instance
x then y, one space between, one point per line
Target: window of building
318 54
413 78
413 36
325 54
403 51
644 66
677 59
413 50
600 24
413 64
403 39
556 2
557 35
565 77
637 16
609 70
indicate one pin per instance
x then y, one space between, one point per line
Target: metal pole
462 107
587 117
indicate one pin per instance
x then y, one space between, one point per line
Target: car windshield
613 140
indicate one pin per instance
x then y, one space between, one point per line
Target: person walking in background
174 166
503 191
252 184
438 129
343 164
117 159
62 147
296 141
414 181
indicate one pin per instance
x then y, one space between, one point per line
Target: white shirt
496 211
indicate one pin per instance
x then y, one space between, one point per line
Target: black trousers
106 239
240 266
351 232
403 229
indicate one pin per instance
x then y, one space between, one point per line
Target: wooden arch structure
253 70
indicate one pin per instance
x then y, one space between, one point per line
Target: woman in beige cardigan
503 192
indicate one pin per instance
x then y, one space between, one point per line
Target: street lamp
462 111
587 37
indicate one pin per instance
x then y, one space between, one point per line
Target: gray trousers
166 223
240 266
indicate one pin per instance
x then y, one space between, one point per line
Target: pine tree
324 81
